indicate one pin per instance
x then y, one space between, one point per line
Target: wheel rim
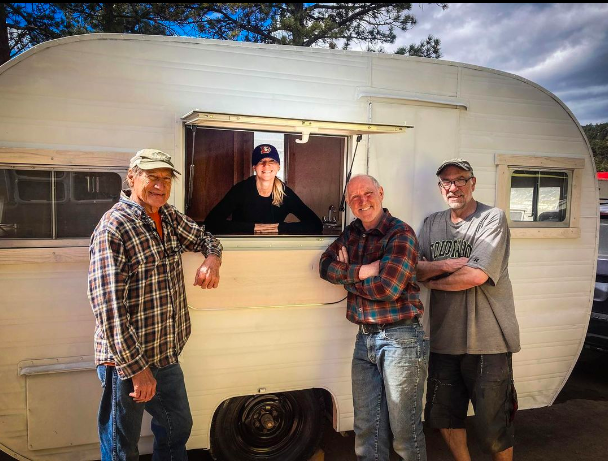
268 424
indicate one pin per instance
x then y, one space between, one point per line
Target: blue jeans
120 417
388 374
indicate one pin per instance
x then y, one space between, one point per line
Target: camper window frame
54 240
541 223
21 250
573 166
279 241
294 126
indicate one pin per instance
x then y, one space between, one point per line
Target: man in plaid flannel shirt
137 292
375 260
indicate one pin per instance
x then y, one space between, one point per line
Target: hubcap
268 423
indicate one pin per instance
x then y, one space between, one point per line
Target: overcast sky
561 46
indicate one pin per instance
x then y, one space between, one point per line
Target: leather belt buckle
368 329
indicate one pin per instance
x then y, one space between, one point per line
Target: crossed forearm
426 270
462 279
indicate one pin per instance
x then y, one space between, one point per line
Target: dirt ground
574 428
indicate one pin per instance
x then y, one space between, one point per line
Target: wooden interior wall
315 170
221 159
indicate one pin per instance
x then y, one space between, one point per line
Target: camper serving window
222 158
313 159
54 203
541 195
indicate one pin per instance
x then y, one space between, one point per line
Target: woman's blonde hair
278 192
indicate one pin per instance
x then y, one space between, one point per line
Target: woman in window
260 204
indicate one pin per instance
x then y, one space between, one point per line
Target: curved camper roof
197 41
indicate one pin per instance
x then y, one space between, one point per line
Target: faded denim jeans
388 373
120 417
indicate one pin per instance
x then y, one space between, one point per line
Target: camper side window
540 195
54 203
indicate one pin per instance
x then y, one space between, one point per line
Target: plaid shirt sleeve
194 237
108 276
334 271
397 269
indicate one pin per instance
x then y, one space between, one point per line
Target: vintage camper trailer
270 352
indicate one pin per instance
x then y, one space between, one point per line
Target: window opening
54 204
539 196
219 158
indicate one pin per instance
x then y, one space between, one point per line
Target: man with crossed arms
464 256
375 259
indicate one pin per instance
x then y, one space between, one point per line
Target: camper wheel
269 427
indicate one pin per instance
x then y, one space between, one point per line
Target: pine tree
334 25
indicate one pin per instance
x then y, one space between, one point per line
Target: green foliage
597 134
23 25
305 24
429 48
596 131
302 24
129 18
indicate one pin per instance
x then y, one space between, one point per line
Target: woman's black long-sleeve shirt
248 207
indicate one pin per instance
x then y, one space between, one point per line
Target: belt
371 328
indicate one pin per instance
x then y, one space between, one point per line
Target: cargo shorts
487 381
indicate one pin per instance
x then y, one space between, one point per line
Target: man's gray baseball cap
458 162
150 159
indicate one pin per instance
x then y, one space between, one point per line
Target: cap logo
265 149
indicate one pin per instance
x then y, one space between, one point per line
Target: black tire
268 427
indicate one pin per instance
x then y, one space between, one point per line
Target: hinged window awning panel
287 125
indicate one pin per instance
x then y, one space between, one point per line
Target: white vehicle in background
270 351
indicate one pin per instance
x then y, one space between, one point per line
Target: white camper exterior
87 103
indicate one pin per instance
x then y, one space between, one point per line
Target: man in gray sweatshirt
464 255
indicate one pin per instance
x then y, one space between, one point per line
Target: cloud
561 46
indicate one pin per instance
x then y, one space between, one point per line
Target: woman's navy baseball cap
264 151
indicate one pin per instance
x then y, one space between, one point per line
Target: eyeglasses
446 184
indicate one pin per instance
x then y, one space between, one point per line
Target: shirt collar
136 208
382 227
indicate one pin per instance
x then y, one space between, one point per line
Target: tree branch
252 29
